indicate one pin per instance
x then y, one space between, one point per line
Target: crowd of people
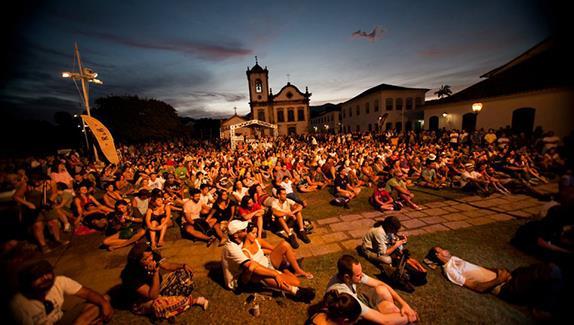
234 197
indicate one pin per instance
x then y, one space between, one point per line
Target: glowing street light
86 76
444 114
476 107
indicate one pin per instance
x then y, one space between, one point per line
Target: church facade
288 109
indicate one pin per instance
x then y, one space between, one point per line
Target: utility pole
85 75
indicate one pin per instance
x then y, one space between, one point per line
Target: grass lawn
438 302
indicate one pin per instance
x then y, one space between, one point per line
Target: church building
288 109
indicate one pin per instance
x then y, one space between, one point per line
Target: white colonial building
402 105
532 90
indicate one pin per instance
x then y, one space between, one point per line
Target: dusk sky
194 54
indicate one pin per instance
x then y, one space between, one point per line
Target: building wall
363 119
554 111
331 119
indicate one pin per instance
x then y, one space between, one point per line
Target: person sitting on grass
42 294
285 209
380 304
538 285
429 177
125 229
396 185
287 184
221 214
90 211
335 308
472 181
156 219
62 200
343 187
239 270
192 222
251 211
31 194
148 291
381 199
382 246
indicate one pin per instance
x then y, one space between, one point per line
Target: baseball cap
236 225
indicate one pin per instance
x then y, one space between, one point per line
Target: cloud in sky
204 50
375 35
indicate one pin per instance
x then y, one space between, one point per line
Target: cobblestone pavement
340 233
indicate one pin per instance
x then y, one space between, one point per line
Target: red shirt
382 195
255 207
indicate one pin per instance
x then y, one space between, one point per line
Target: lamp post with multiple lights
86 76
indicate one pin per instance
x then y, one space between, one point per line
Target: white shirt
458 271
30 311
232 258
158 183
206 199
240 194
341 287
192 208
283 207
288 186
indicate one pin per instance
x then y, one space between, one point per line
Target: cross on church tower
256 59
235 109
288 78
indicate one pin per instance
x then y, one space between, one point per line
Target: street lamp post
86 76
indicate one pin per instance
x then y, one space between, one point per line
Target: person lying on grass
538 285
379 302
245 262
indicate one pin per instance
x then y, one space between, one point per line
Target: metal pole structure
86 95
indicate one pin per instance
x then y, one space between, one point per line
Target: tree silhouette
132 119
443 91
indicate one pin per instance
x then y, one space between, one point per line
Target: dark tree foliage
132 119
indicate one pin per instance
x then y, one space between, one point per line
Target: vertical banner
104 138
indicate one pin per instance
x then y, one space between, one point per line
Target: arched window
258 86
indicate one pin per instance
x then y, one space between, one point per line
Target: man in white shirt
238 269
378 300
539 284
192 223
471 180
41 297
285 209
154 182
287 184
